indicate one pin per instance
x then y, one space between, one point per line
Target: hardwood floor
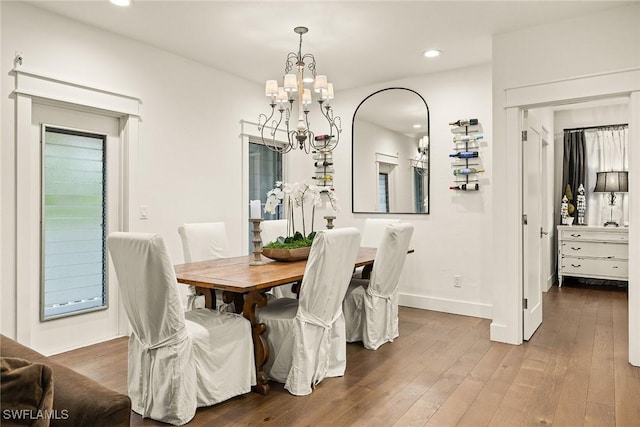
444 371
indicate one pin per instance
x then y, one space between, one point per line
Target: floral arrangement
295 195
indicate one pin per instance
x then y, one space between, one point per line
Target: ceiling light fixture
433 53
121 2
292 90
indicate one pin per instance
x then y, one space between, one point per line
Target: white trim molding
445 305
30 87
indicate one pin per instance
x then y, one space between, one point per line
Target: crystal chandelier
293 91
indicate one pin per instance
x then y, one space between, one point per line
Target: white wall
558 52
189 154
454 238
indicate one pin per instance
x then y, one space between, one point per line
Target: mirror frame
353 121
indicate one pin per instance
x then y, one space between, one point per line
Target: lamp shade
612 182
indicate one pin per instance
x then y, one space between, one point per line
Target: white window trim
30 87
245 138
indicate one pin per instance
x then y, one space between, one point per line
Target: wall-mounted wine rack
467 164
323 162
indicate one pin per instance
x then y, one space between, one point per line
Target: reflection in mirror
390 155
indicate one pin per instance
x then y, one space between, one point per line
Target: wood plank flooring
444 371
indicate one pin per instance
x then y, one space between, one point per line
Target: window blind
73 222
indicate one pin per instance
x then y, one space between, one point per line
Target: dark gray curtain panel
574 165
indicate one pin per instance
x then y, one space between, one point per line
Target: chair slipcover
271 230
371 306
177 361
306 336
373 231
201 242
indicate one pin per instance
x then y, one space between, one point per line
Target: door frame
31 87
507 302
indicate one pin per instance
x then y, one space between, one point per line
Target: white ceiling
355 43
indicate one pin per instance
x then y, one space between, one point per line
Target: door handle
543 233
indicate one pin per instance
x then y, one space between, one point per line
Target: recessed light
417 126
121 2
432 53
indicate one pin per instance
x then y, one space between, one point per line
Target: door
532 231
58 165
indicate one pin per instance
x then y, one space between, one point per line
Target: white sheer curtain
607 150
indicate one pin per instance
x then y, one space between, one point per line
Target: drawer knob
575 249
575 235
573 265
615 266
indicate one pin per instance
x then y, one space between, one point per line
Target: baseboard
500 333
464 308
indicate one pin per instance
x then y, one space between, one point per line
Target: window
73 278
383 192
418 189
265 168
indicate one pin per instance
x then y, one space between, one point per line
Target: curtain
574 163
606 150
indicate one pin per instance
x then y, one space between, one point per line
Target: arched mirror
390 153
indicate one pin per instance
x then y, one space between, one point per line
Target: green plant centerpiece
297 243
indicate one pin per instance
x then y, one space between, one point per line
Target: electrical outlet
457 281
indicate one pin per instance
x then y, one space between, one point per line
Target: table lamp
612 182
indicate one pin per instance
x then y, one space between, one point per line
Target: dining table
246 286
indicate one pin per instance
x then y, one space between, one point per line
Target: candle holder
257 242
329 220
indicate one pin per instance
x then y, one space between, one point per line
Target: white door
62 333
532 225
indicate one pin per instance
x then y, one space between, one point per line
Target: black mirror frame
428 158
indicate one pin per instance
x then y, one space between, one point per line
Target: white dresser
597 252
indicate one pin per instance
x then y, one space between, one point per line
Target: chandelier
291 96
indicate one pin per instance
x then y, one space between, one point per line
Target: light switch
144 214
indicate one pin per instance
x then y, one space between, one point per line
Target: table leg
260 346
366 271
209 297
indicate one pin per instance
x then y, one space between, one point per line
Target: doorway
566 115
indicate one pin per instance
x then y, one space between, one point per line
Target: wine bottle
464 122
467 138
467 171
324 163
466 187
465 154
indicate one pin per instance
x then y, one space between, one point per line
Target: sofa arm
77 400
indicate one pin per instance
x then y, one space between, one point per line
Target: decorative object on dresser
581 203
612 182
593 252
467 162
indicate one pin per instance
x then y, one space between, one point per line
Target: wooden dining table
246 285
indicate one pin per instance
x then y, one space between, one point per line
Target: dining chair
306 337
372 233
371 306
271 230
200 242
177 360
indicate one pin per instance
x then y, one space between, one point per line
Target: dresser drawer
595 267
605 250
585 234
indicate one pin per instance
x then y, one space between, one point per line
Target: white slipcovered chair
306 337
271 230
200 242
177 360
371 306
372 233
